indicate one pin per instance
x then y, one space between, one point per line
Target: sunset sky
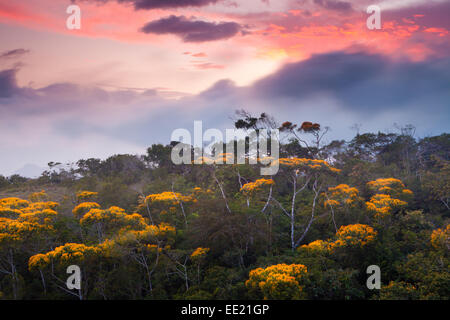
138 69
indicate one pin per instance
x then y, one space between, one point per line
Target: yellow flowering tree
255 190
104 223
383 205
350 236
303 173
80 210
24 227
198 257
281 281
440 238
354 235
389 196
145 247
86 196
167 199
341 198
39 196
390 186
56 261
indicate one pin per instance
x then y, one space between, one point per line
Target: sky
136 70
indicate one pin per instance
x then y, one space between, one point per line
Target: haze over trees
141 227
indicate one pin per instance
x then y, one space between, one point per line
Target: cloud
200 55
335 89
163 4
13 54
8 85
192 30
334 5
207 65
361 82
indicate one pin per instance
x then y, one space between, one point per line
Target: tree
301 174
279 281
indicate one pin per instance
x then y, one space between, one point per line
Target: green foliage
144 250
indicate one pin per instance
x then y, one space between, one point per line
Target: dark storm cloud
8 85
160 4
427 15
192 30
12 54
334 5
334 89
221 88
361 81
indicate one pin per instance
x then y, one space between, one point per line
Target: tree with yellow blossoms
198 257
105 223
25 226
280 282
341 198
303 173
86 196
350 236
56 261
167 200
146 247
388 197
440 238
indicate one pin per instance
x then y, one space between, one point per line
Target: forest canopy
141 227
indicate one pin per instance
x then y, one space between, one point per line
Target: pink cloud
200 55
207 65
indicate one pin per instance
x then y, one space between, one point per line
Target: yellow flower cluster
113 218
199 252
170 197
383 205
281 281
407 192
39 196
80 210
151 231
141 240
9 213
66 254
20 219
46 216
153 247
440 238
86 195
342 195
317 245
16 231
39 206
199 191
303 163
353 235
13 203
390 186
165 229
252 187
384 184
